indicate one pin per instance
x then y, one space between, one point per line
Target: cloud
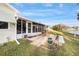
61 5
69 22
42 12
77 11
19 5
38 12
48 5
28 13
32 14
47 22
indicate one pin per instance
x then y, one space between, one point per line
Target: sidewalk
40 40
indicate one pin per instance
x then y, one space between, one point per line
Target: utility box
50 40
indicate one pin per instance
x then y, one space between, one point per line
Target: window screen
3 25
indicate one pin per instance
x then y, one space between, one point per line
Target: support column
21 26
31 28
27 27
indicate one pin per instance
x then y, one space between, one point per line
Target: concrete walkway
40 40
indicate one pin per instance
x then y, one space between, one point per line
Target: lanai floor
40 40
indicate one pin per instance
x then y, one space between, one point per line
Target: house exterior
14 26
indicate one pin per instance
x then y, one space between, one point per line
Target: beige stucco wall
8 34
7 15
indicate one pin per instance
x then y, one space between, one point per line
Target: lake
73 31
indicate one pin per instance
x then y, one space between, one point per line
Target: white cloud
68 22
19 5
42 12
77 10
33 14
48 5
61 5
39 10
28 13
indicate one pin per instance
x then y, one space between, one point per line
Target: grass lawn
70 48
24 49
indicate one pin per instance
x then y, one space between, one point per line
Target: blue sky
50 13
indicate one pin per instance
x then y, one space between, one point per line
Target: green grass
24 49
70 48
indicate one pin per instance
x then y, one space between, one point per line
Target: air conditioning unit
25 36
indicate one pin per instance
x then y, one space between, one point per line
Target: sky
50 13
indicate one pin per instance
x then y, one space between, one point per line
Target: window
36 29
18 26
29 27
24 26
3 25
39 28
33 28
21 26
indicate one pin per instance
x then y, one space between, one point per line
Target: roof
20 16
24 18
11 7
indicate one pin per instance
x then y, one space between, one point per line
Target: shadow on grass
70 48
24 49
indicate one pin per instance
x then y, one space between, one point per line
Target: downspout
16 18
17 42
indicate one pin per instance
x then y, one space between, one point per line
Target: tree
59 27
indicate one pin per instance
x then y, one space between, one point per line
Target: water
73 31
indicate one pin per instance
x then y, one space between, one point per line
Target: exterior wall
7 15
28 34
8 34
33 34
18 36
